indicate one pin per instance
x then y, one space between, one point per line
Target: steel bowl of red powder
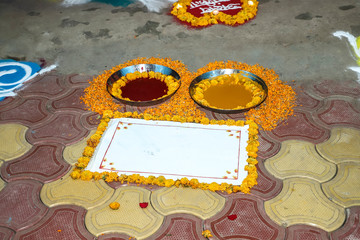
143 91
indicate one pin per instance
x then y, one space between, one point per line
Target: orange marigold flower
206 233
86 175
75 174
114 205
88 151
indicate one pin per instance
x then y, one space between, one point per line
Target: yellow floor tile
302 201
130 218
66 190
201 203
13 143
343 145
344 189
2 182
300 159
73 152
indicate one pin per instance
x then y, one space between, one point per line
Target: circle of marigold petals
281 97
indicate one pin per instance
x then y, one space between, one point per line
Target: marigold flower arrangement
249 10
171 83
247 183
277 107
231 80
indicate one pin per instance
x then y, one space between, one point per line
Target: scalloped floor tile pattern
87 194
26 111
73 152
301 201
300 159
344 189
250 222
63 127
62 222
57 125
343 145
13 143
130 218
300 126
203 204
180 226
21 206
43 163
351 228
6 233
304 232
340 112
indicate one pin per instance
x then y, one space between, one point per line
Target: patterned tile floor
308 185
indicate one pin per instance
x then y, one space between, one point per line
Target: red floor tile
328 88
28 111
300 126
179 226
49 86
305 232
70 101
90 120
21 206
251 221
76 80
115 236
6 233
351 228
339 113
64 127
304 100
268 147
268 186
62 222
43 163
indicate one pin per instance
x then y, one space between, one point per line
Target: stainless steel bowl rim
227 71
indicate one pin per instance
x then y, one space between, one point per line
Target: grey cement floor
293 37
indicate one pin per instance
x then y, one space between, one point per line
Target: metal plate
219 72
142 68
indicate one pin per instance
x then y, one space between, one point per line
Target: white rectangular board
209 153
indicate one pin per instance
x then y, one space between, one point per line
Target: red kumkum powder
144 89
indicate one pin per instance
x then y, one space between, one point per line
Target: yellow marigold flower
169 182
184 181
88 151
97 176
118 114
108 114
86 175
147 116
236 189
213 122
85 160
149 180
206 233
230 122
252 154
114 205
177 183
81 165
102 126
111 176
127 114
75 175
214 187
194 183
205 121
